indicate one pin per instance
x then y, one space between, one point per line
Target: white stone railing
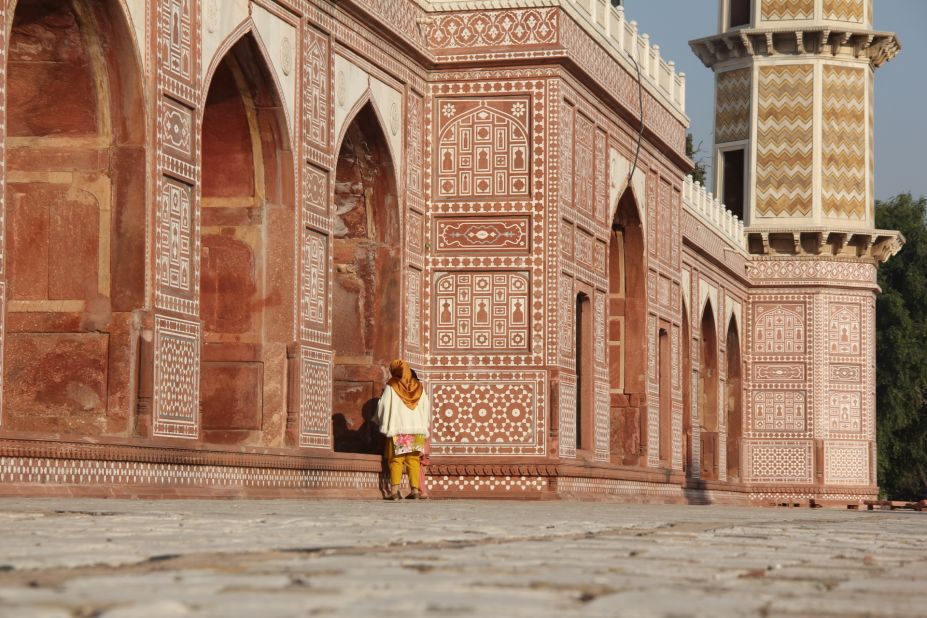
624 35
703 204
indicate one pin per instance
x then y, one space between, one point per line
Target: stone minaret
793 157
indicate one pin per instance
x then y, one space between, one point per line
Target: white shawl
394 417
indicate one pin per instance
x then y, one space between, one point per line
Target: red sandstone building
223 218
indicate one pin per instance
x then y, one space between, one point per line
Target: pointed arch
248 220
708 395
627 317
366 288
75 213
248 28
733 400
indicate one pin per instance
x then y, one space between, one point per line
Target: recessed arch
366 289
247 236
733 400
76 188
708 395
627 325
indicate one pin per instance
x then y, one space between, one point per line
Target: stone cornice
826 41
875 245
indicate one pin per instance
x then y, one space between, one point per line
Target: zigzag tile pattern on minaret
784 153
844 10
779 10
844 144
732 118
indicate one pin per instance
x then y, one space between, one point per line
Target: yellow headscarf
406 386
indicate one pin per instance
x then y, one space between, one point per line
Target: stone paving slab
120 559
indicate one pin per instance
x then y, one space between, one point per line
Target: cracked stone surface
120 559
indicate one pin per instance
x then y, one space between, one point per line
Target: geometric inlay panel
483 148
501 235
315 277
176 378
844 329
778 372
489 414
315 403
732 109
475 311
785 137
846 463
844 10
844 412
779 411
782 10
773 461
567 405
174 247
843 191
779 328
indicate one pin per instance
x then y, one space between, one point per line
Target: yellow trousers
409 461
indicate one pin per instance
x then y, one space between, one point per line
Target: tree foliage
901 351
699 172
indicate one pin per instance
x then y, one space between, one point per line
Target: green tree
699 172
901 352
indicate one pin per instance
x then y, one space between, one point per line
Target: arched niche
733 402
627 325
708 396
75 217
247 218
367 255
686 352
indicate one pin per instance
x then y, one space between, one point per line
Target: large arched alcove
708 396
75 208
734 402
627 307
247 220
366 324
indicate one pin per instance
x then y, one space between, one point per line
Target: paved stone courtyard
109 558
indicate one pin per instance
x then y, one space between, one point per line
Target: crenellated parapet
710 210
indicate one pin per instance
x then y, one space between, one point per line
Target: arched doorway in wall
366 325
686 394
708 396
734 402
75 218
247 215
627 307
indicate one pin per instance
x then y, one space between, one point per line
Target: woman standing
404 416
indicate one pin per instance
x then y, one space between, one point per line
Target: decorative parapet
526 22
709 209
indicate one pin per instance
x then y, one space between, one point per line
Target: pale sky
900 88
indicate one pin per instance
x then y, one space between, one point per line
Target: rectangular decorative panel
781 10
566 156
779 328
315 281
489 414
483 148
176 250
481 312
315 404
567 408
779 411
565 302
473 30
843 329
844 412
773 461
584 165
785 140
602 422
482 235
846 463
317 92
176 55
414 307
732 111
414 163
176 378
844 10
844 147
